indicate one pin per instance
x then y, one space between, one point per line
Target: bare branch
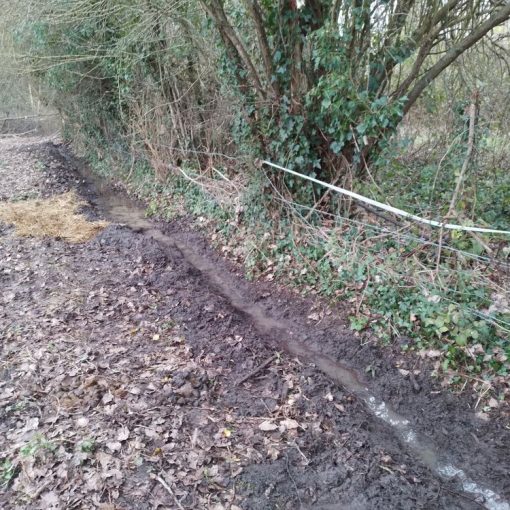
453 53
255 12
215 10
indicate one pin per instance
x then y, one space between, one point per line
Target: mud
370 442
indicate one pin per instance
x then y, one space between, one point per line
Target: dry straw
56 217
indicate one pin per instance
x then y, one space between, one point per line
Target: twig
292 479
479 240
295 445
482 394
26 117
456 493
473 110
364 161
170 491
257 370
473 107
221 175
439 249
455 140
14 135
384 217
364 288
323 198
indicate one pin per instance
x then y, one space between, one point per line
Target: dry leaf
107 398
267 426
32 424
82 421
289 424
114 446
122 434
493 403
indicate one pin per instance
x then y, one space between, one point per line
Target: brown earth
131 378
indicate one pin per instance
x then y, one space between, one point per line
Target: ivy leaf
461 339
336 147
326 103
361 128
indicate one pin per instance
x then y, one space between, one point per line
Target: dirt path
135 375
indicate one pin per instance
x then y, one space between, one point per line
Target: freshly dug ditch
321 433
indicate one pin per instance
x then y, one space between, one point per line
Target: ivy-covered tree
325 82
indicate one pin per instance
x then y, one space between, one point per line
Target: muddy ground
131 379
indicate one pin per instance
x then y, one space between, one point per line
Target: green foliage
359 323
36 446
426 184
87 446
7 472
346 110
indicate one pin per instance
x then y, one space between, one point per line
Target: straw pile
53 217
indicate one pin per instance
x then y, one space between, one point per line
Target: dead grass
53 217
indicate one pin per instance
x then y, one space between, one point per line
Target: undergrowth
391 282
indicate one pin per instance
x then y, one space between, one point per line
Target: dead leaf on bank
107 398
50 499
114 446
289 424
32 424
493 403
54 217
482 416
82 422
267 426
273 453
122 434
431 353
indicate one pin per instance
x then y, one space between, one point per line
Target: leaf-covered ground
127 382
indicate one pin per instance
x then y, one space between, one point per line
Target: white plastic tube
385 207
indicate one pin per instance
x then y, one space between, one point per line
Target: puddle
120 210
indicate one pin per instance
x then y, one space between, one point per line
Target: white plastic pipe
385 207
